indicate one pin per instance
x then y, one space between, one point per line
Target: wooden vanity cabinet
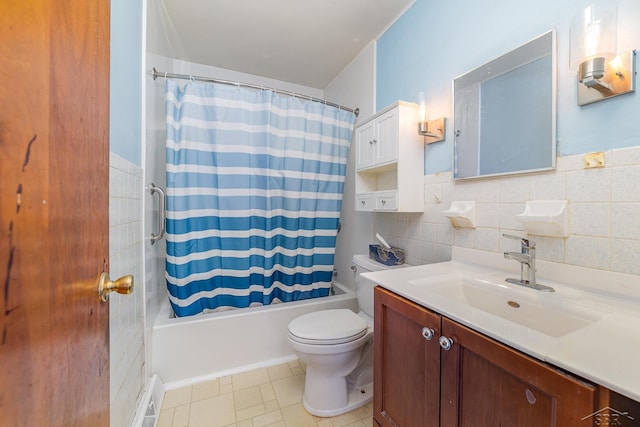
406 382
477 382
486 383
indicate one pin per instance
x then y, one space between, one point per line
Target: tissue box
393 256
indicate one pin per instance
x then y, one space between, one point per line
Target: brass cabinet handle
123 285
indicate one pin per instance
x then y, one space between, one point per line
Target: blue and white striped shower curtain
254 190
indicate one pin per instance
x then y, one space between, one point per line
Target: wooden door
406 385
54 155
485 383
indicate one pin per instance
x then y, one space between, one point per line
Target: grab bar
161 213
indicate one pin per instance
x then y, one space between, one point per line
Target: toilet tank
364 287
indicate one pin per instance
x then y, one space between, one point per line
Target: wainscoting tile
624 256
550 186
590 219
624 184
590 185
487 239
516 189
587 251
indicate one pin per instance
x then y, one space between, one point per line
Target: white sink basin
549 313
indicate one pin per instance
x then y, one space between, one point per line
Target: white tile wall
604 214
125 311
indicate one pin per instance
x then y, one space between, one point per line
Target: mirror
505 113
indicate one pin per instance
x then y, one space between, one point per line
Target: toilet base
356 397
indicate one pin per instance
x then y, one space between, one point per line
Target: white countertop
606 351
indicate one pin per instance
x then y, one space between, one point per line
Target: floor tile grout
265 397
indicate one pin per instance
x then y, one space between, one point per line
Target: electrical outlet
593 160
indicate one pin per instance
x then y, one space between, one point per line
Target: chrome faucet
526 257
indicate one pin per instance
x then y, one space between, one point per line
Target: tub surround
610 300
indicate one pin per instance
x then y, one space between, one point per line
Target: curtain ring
165 75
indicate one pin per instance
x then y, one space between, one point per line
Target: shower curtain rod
155 73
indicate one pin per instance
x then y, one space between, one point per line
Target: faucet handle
526 243
514 237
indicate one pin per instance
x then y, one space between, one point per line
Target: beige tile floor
264 397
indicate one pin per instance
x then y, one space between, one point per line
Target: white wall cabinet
390 161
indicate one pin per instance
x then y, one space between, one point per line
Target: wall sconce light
432 130
602 73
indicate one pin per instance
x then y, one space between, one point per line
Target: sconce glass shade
594 39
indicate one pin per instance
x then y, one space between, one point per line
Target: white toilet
337 346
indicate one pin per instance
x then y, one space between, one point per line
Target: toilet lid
327 327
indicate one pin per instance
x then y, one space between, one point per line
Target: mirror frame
509 62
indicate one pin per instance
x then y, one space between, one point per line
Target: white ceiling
307 42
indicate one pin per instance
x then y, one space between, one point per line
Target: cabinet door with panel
486 383
387 143
365 145
407 362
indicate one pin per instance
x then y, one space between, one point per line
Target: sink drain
513 304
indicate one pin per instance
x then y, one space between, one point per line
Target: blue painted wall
437 41
125 128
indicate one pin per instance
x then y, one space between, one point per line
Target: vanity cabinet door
485 383
407 365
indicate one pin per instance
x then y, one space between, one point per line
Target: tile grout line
264 397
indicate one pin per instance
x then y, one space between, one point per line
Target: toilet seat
327 327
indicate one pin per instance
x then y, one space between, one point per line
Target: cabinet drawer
365 202
387 201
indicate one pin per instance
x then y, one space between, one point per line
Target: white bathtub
193 349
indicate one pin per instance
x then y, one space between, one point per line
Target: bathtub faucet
526 256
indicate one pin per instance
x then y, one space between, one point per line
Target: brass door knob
123 285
